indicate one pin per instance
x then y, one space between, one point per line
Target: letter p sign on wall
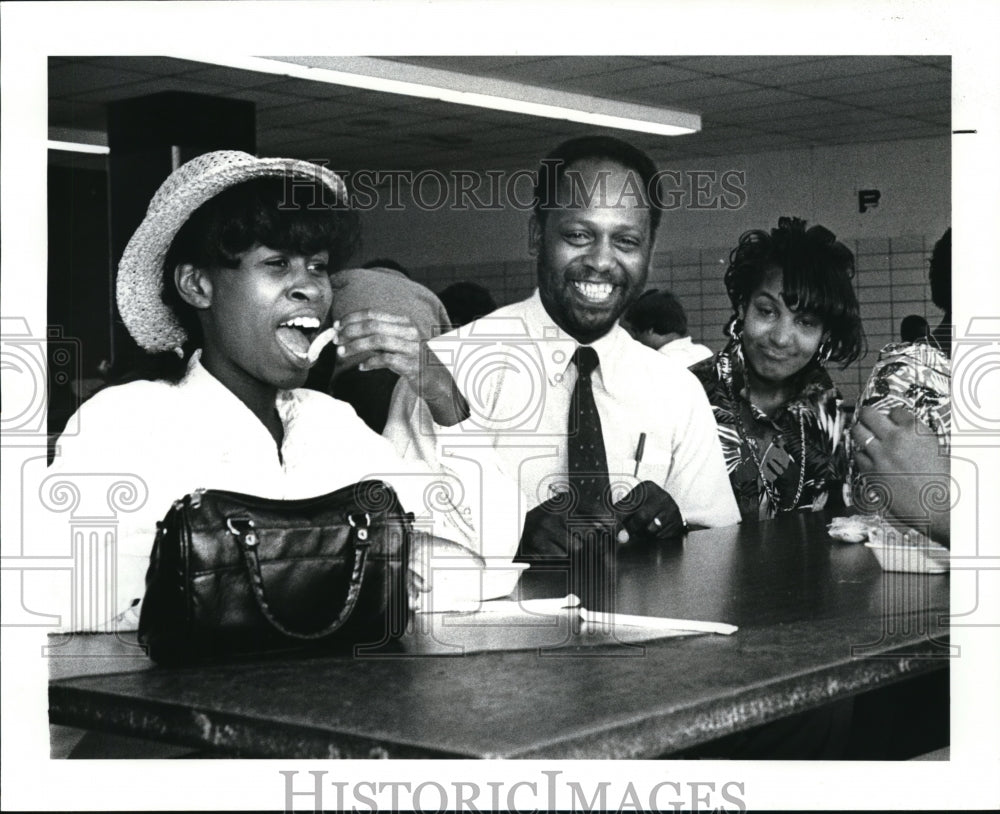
868 199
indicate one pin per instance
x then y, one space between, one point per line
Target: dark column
79 310
148 137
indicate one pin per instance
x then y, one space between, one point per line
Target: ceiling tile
723 65
922 113
263 97
715 130
326 113
71 79
928 106
834 116
883 135
820 69
876 80
888 126
472 64
940 61
622 83
331 145
151 85
284 135
380 124
744 100
690 92
154 65
234 77
553 69
798 106
930 92
307 89
750 143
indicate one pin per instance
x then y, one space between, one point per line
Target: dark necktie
586 457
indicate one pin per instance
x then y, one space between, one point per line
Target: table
819 621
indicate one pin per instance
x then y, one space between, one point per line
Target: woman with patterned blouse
776 408
902 436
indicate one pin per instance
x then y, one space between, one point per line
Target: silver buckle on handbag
362 528
242 527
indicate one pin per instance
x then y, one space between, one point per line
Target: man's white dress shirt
685 352
514 369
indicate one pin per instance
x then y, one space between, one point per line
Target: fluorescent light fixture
468 89
76 147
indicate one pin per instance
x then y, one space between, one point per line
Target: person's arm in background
910 460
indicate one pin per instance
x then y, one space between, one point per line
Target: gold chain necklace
752 444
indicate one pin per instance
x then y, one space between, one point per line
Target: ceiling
748 104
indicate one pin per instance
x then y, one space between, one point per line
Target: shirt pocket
655 463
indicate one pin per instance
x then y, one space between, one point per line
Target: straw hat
140 273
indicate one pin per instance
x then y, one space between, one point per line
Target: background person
940 280
657 319
794 310
466 301
914 328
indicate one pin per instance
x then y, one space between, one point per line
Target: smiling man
593 253
599 431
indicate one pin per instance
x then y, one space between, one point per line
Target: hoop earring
823 351
734 328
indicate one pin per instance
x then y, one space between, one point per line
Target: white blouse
178 437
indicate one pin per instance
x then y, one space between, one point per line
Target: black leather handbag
234 574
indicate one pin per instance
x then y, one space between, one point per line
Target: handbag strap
243 529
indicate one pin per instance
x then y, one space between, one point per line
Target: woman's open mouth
296 335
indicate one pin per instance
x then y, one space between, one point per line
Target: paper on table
528 624
545 607
655 623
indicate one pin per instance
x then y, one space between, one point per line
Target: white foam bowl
917 559
904 549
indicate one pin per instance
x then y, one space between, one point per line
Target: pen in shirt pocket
638 453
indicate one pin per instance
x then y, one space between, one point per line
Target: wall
892 242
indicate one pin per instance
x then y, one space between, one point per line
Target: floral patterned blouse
767 477
916 376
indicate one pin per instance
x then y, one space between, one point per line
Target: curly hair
816 278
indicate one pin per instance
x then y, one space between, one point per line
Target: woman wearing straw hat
230 272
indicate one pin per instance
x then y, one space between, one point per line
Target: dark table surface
818 621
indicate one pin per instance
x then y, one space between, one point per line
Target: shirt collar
677 344
216 393
560 346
